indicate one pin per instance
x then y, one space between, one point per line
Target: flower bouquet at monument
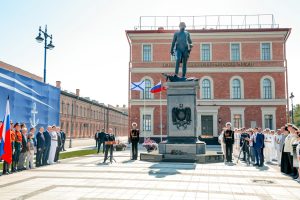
120 146
150 145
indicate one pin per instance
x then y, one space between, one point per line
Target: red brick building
242 73
81 117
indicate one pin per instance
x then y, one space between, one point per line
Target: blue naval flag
31 102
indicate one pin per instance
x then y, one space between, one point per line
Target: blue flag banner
32 102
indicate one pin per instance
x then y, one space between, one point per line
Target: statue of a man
183 46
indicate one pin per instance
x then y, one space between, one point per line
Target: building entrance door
207 125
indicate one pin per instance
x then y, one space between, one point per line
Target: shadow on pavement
263 168
128 161
161 170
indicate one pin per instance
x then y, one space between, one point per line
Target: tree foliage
297 115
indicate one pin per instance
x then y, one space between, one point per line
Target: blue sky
92 51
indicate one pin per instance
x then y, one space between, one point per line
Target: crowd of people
258 147
45 144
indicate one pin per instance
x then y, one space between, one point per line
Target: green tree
297 115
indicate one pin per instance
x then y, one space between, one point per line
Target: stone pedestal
182 141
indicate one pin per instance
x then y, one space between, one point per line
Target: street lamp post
50 46
291 97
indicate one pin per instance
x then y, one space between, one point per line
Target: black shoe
256 164
296 177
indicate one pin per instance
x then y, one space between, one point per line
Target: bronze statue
181 48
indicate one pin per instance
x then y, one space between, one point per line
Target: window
206 89
147 94
265 51
147 53
267 89
237 121
205 52
147 122
235 52
269 121
236 89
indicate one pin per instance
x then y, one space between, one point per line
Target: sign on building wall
32 102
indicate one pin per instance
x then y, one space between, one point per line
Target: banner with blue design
31 102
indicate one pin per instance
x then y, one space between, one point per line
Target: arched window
206 89
236 89
148 85
267 89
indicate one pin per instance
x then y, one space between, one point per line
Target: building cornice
220 33
207 69
216 102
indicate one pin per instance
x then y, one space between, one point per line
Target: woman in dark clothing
284 167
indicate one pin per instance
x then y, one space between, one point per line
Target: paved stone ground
87 178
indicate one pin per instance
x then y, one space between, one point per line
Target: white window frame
210 51
262 86
211 87
242 87
237 111
152 82
239 43
271 50
146 111
268 111
143 52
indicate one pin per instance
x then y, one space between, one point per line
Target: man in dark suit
134 139
40 145
63 140
258 145
101 140
109 138
59 144
228 140
96 138
47 145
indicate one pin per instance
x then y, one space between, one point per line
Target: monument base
182 148
209 157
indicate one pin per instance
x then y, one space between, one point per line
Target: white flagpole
160 114
144 114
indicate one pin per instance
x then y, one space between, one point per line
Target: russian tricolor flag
5 146
157 88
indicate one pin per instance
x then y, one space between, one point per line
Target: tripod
248 161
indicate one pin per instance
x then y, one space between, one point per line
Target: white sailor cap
228 123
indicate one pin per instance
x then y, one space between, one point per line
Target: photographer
244 143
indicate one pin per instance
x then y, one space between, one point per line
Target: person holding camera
244 143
